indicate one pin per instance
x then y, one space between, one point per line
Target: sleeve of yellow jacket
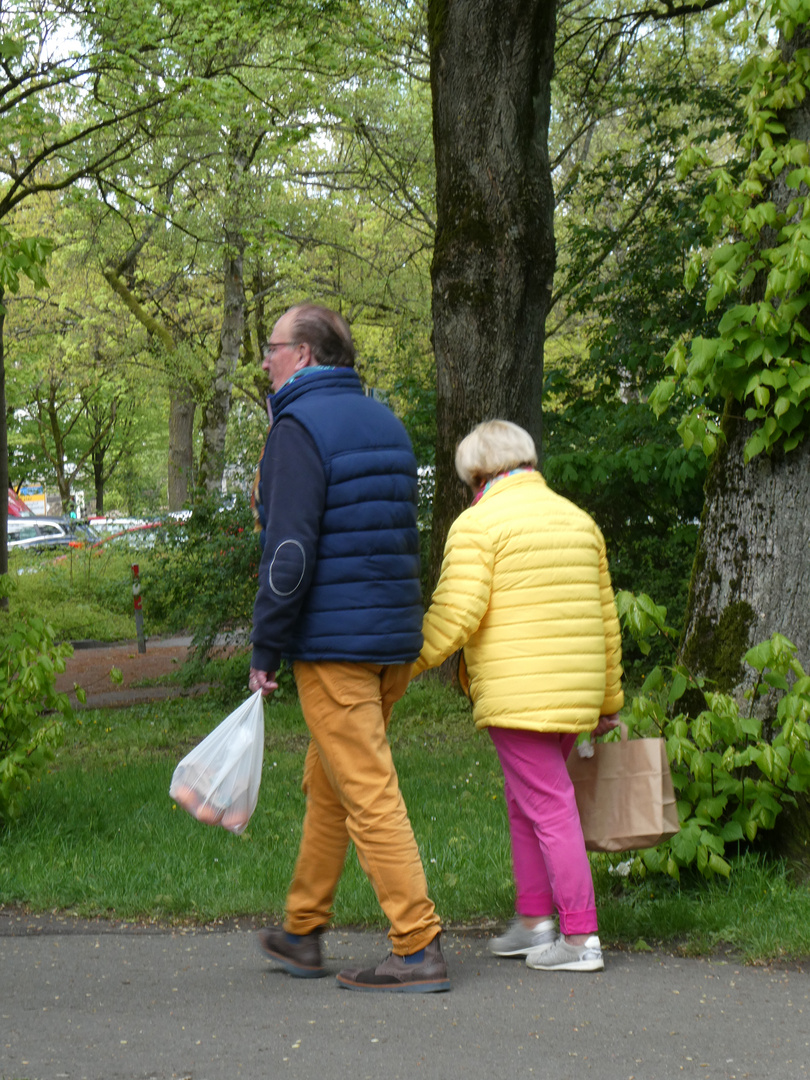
614 695
461 597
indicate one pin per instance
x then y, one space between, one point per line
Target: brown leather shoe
300 955
423 973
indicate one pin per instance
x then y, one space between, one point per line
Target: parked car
17 507
111 526
134 538
42 532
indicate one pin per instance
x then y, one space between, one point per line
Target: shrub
201 575
31 711
84 594
734 769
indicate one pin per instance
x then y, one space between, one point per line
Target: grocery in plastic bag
218 781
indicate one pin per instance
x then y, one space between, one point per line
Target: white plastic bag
218 781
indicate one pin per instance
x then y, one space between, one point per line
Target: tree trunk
181 400
181 446
752 566
753 561
59 456
493 260
98 478
750 581
3 452
218 407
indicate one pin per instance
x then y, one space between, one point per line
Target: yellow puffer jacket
525 589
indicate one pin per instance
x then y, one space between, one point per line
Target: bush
201 576
734 769
30 660
84 594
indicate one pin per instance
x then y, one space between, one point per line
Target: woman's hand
605 724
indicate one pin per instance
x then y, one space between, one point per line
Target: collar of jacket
343 380
515 480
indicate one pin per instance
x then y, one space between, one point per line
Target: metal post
137 600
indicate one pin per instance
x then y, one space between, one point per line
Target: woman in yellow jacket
525 591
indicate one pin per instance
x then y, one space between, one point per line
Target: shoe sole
512 952
394 988
570 965
298 970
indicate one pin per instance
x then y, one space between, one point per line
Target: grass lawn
100 836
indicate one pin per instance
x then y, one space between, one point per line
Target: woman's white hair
491 448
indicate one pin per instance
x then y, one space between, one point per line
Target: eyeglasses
270 347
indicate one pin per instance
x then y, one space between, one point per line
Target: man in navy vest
339 595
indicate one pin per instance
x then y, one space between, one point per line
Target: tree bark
59 457
181 400
3 452
752 566
98 481
493 261
181 446
218 407
753 560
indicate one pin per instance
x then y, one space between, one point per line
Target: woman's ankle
531 922
578 939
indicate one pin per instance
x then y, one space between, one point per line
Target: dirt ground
91 667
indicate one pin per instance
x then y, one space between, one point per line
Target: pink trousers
548 852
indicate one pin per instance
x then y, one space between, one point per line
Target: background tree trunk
752 565
493 262
750 581
181 402
181 446
216 412
3 452
753 559
98 482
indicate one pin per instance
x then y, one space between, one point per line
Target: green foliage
86 593
31 711
626 235
733 769
762 912
99 834
638 222
643 488
26 257
80 407
202 576
760 265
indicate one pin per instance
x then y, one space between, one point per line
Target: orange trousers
352 792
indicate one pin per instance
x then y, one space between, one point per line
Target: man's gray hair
326 333
496 446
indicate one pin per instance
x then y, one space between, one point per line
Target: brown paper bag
624 793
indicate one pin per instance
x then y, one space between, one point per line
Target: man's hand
606 724
262 680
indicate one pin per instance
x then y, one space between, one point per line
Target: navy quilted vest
365 600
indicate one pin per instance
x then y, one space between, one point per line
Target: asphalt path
106 1001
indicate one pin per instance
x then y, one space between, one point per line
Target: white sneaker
564 957
518 940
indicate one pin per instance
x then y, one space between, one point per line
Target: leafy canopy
760 265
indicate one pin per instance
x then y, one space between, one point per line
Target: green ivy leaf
719 865
678 687
732 831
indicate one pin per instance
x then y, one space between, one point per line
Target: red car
16 507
